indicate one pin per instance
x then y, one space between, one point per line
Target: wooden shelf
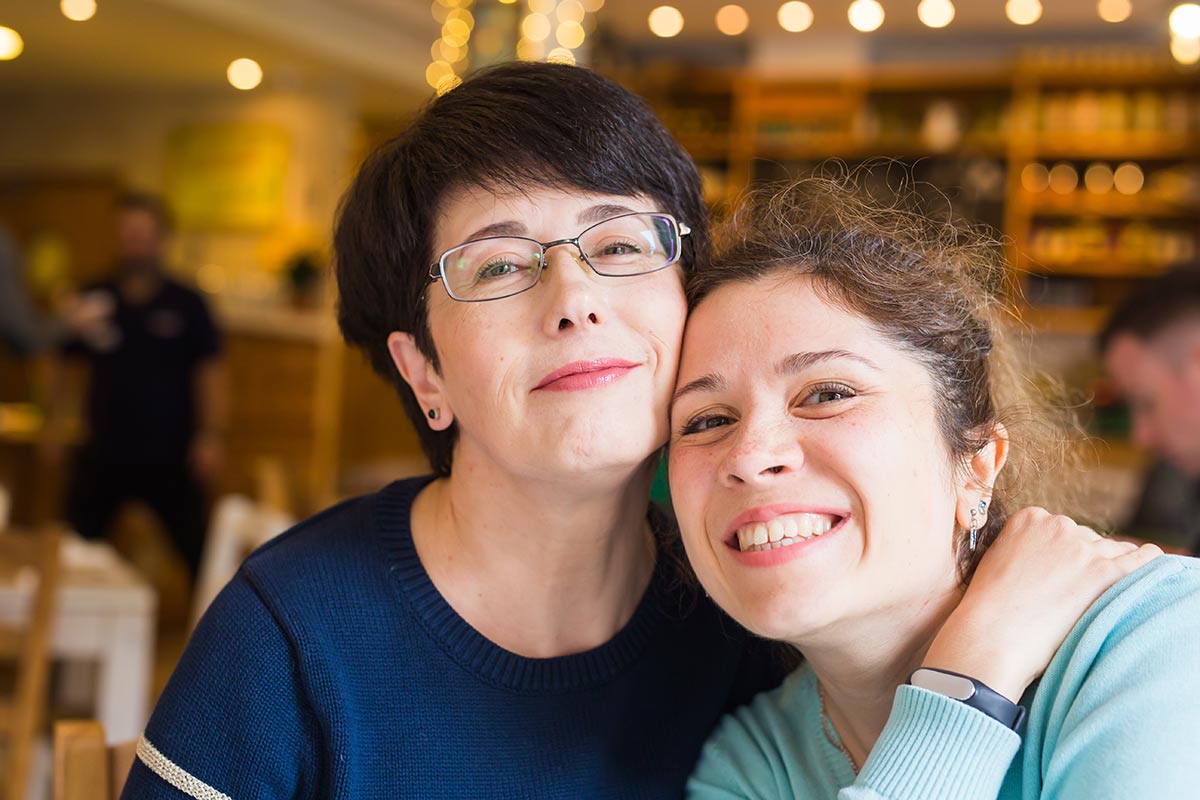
1099 267
1064 320
1110 206
1077 145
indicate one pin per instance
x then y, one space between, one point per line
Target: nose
759 452
574 296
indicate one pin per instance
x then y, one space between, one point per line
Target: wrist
965 646
972 692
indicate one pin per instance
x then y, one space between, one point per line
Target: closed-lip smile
587 374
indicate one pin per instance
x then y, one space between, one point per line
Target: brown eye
831 393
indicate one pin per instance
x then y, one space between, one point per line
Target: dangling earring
433 414
974 533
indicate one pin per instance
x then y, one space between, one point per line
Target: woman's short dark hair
511 128
934 286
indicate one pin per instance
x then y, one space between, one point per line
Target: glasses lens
631 244
491 268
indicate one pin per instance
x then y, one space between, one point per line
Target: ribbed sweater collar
478 654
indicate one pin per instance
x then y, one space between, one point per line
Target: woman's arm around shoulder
233 720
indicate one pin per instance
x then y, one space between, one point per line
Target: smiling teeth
782 531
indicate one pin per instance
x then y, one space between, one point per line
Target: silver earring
433 413
974 533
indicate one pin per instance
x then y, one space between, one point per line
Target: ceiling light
1185 21
732 20
1185 51
78 10
936 13
11 44
665 21
1023 12
244 74
865 15
561 55
795 16
1114 10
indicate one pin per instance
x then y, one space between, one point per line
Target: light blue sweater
1116 715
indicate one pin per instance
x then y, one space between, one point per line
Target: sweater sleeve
233 720
932 746
1125 713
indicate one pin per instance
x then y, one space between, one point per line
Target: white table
105 614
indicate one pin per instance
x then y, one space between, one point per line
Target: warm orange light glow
665 21
865 15
732 20
795 16
244 74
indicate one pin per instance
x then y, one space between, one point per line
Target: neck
860 666
540 569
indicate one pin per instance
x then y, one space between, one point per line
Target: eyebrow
588 216
790 365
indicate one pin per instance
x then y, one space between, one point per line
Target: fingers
1138 557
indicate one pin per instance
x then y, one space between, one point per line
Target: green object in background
660 490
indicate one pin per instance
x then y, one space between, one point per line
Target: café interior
1071 127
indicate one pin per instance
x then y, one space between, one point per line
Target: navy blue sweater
331 667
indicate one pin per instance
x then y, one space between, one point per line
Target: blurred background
1072 127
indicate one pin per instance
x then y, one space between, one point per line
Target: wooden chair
26 646
85 768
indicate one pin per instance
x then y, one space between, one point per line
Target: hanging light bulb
732 20
1185 21
936 13
795 16
665 21
1023 12
865 15
11 44
244 74
1114 10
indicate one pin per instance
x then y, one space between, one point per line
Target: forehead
771 314
543 213
1133 364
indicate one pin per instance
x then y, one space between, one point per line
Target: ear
419 374
979 476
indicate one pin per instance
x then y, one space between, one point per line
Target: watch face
955 686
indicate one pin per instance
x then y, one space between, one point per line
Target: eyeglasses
501 266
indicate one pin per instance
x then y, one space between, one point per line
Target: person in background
850 432
518 623
1151 350
155 403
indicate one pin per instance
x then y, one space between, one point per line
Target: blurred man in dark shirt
155 407
1151 349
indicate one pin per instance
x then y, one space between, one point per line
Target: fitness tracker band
967 690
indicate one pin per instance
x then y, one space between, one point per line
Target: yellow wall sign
226 176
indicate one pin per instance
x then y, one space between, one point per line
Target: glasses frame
437 271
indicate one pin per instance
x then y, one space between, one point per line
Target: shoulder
754 750
1158 591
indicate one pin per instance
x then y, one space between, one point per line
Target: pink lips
586 375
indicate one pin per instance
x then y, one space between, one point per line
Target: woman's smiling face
808 471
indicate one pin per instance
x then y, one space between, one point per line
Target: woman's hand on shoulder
1036 580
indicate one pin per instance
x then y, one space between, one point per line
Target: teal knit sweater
1116 715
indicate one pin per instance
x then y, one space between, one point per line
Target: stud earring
433 414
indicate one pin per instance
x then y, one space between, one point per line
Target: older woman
848 434
514 625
